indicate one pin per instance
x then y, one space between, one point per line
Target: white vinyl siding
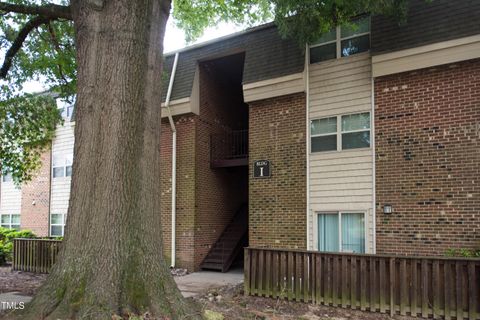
62 145
10 198
341 180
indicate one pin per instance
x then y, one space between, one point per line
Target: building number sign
261 169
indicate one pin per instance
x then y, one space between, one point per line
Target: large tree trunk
112 261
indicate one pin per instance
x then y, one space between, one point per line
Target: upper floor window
62 165
338 133
67 112
10 221
342 41
7 177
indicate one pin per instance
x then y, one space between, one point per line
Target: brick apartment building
368 142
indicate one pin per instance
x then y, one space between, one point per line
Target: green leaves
307 20
27 126
193 16
47 55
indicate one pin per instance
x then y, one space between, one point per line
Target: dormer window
342 41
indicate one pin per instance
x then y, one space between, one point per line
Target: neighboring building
367 142
41 205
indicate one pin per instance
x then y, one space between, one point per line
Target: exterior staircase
230 244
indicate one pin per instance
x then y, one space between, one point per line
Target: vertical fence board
275 271
392 286
283 275
268 274
345 293
424 288
253 275
403 287
353 282
335 281
298 277
313 276
383 283
246 271
260 272
328 280
319 296
448 288
363 283
472 291
373 285
436 289
290 277
459 290
413 288
306 278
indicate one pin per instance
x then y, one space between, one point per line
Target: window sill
340 151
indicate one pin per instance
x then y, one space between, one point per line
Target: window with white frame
341 232
7 177
10 221
342 41
341 132
57 224
62 165
67 112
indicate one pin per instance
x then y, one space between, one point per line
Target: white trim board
275 87
426 56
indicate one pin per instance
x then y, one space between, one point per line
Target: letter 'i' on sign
261 169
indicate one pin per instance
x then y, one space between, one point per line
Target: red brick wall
36 199
185 201
427 128
277 205
220 191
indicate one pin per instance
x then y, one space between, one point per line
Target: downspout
307 101
174 160
372 139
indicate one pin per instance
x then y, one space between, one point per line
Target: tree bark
112 260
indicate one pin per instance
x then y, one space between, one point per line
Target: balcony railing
229 149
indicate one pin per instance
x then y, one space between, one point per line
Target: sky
174 40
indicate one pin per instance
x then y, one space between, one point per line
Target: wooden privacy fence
35 255
416 286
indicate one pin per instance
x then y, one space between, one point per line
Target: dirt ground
234 305
23 282
229 301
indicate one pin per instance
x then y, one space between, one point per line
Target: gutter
174 160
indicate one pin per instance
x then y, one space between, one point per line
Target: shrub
466 253
6 242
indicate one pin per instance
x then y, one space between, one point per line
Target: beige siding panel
316 177
62 143
10 198
341 180
346 181
341 186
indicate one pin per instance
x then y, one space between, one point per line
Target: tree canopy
38 44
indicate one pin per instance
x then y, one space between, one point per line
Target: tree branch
52 11
17 44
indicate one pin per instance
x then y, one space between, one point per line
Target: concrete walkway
195 283
191 285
